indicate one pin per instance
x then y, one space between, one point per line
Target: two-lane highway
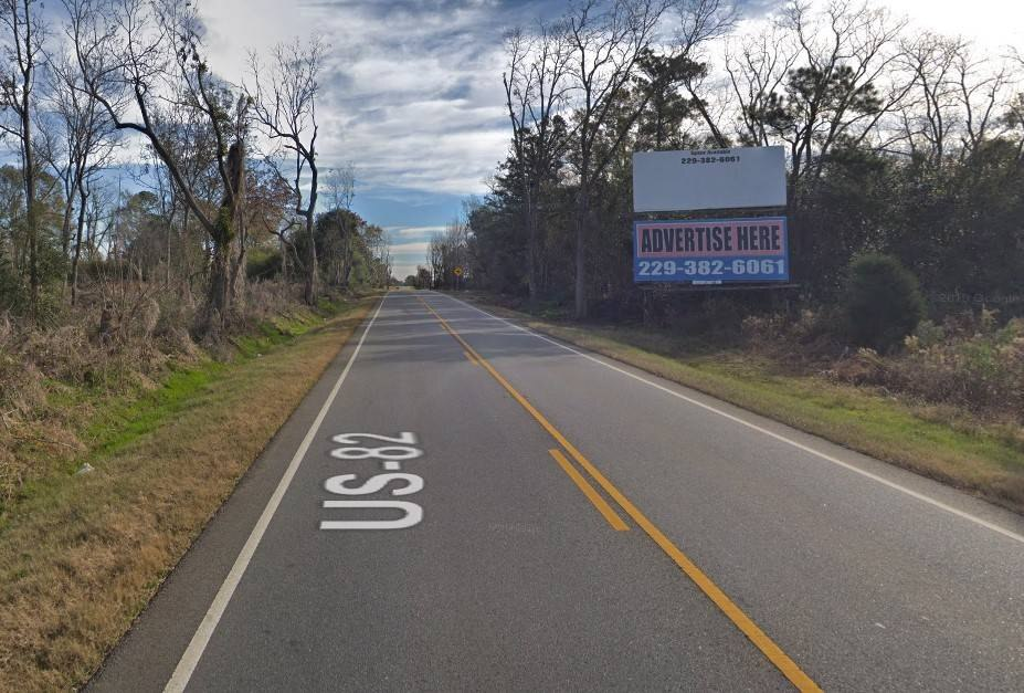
461 504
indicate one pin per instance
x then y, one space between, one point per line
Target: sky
412 94
412 97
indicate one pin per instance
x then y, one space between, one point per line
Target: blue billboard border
781 283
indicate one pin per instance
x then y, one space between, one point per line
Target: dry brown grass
81 558
57 374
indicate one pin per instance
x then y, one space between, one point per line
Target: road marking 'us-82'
392 452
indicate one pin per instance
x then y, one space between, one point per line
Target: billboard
711 251
709 179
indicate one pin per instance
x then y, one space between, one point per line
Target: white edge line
190 659
800 446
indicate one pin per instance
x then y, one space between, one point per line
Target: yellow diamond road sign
458 271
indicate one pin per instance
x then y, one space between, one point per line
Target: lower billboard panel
711 251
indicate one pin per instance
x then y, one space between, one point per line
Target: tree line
899 142
128 157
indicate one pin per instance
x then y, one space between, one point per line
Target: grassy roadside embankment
81 555
948 445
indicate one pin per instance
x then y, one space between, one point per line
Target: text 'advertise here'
753 249
710 251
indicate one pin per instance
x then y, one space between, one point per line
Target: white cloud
412 93
406 256
993 24
408 249
414 230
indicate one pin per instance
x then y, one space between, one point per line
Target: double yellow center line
590 492
758 637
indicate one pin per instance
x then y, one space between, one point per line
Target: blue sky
413 95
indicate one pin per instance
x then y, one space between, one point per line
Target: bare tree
284 104
87 148
23 35
700 23
139 58
191 137
981 90
957 100
606 40
757 71
930 115
449 250
378 244
536 88
386 261
838 86
340 183
1014 116
340 188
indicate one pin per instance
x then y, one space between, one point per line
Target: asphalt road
558 521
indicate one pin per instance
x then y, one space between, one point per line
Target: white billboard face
709 179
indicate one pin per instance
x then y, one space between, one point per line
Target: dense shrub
967 362
263 264
971 361
14 294
980 368
882 302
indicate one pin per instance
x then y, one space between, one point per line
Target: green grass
123 421
951 446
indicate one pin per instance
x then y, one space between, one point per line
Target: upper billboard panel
709 179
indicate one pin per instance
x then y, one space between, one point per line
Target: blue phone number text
730 268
